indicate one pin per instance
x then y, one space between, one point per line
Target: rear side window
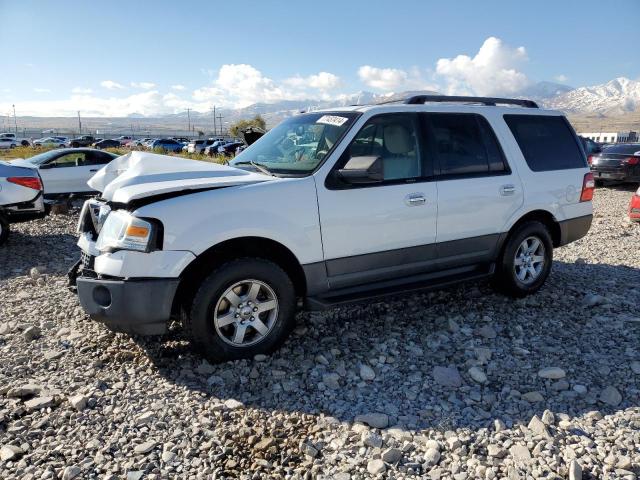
466 145
547 142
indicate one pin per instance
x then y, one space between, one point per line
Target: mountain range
618 96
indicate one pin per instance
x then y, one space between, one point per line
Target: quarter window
547 142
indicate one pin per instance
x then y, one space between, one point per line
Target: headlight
123 231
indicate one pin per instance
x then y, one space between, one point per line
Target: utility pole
79 123
188 120
220 123
15 122
215 130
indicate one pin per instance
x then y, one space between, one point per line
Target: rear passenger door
477 190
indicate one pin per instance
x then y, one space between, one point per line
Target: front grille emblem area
99 213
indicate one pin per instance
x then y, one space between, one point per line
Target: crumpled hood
139 175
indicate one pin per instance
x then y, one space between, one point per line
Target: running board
379 290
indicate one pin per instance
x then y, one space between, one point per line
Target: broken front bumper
133 306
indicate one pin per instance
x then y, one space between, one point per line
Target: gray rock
145 418
331 380
371 439
611 396
375 420
432 456
548 418
38 403
26 390
71 472
533 397
538 427
10 452
367 373
553 373
486 331
79 402
447 377
145 447
580 389
575 470
168 456
635 367
496 451
391 455
265 444
477 374
205 368
309 450
32 333
376 467
233 404
520 453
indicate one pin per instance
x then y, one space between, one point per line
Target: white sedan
67 171
50 142
7 143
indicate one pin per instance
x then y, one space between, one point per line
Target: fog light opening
102 296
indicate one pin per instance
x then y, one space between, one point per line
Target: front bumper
132 306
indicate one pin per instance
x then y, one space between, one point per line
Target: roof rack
489 101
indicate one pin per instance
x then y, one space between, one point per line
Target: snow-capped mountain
618 96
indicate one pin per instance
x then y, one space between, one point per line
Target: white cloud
382 78
241 85
562 78
143 85
81 90
178 87
492 71
41 90
111 85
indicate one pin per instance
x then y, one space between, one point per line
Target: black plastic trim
574 228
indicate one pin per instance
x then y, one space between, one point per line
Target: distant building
611 137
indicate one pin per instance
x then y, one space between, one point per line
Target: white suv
328 208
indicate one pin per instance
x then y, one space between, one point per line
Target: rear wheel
244 307
4 229
526 260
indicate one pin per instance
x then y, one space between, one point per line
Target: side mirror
369 169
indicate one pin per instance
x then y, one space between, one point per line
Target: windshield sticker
334 120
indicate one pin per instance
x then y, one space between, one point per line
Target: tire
24 143
215 325
75 145
537 263
4 229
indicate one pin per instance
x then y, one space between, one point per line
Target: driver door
386 230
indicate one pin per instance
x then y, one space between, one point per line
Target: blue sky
164 56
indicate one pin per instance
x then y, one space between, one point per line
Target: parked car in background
21 196
590 147
83 141
198 146
167 144
619 162
229 149
25 142
7 143
66 171
634 207
343 206
252 134
50 142
212 149
181 139
124 139
139 142
107 143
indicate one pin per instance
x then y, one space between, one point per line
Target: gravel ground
461 383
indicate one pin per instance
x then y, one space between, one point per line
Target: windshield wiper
258 166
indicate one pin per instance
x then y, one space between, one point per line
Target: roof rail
489 101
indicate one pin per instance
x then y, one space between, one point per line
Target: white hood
141 174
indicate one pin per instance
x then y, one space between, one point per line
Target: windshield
43 157
298 144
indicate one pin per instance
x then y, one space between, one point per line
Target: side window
466 145
70 160
98 158
547 142
394 138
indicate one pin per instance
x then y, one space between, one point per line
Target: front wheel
244 307
4 229
526 260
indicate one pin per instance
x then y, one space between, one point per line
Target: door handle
415 199
93 170
506 190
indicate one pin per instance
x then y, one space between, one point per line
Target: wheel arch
543 216
258 247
